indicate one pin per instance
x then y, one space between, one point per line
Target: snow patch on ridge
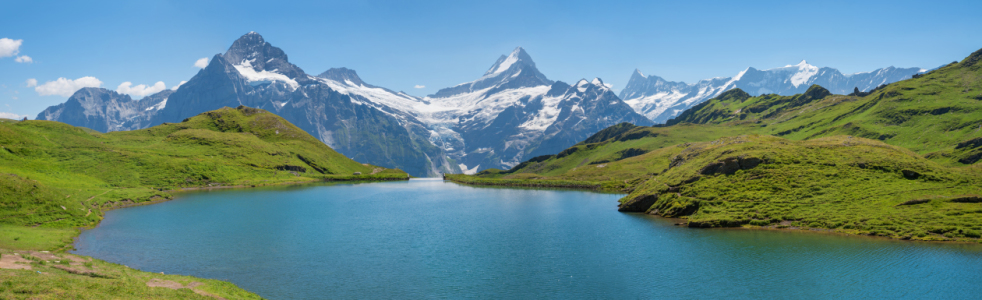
546 116
477 105
246 70
159 106
654 105
398 101
510 60
467 171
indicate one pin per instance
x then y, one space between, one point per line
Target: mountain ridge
660 100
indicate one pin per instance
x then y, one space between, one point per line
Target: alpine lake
436 239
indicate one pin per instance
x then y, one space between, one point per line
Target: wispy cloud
201 63
419 86
24 59
179 85
6 115
32 82
66 87
9 47
141 90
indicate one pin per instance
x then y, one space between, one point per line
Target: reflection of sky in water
424 239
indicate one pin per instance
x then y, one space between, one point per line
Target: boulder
730 165
638 204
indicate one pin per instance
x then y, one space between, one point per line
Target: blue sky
436 44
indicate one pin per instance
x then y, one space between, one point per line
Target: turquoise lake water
434 239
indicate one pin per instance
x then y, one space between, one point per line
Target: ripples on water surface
430 239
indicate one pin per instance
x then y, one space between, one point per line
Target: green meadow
56 178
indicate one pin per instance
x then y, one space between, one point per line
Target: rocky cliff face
104 110
256 74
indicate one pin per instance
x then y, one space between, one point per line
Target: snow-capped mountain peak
517 70
259 62
802 64
505 62
805 72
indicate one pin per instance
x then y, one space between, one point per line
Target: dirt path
93 197
14 261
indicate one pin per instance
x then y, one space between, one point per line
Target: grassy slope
55 177
67 276
938 115
930 115
847 183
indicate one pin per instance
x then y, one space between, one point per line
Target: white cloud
24 59
419 86
201 63
32 82
66 87
141 90
9 47
179 85
5 115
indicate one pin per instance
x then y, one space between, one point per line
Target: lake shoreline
934 238
127 203
241 186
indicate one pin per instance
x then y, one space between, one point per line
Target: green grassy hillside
53 174
55 178
843 183
820 160
938 114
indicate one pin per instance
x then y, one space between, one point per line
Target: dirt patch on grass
155 282
14 261
45 255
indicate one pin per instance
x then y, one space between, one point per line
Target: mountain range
510 114
661 100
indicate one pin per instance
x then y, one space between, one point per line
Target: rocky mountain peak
342 75
251 45
253 51
636 76
517 70
514 62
